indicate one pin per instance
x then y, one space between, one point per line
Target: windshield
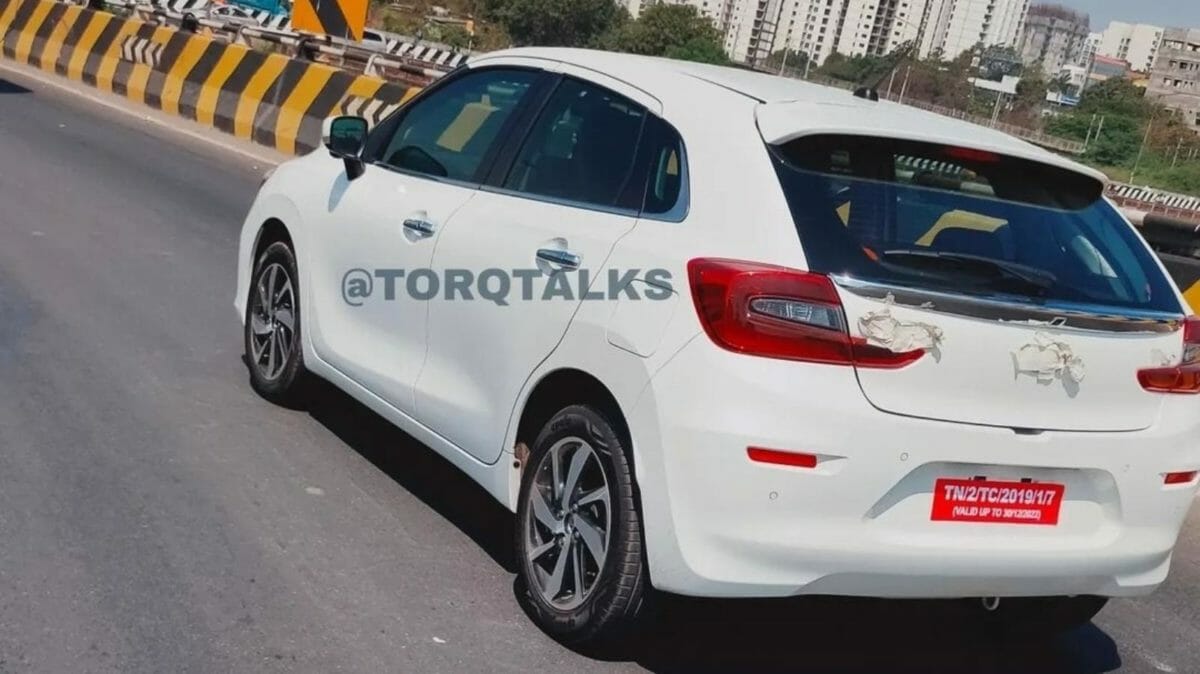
966 221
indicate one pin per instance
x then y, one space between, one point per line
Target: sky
1168 13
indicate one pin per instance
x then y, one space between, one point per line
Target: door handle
422 227
563 258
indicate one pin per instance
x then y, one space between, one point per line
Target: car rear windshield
967 221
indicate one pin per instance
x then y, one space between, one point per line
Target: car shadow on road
849 636
803 635
418 469
7 87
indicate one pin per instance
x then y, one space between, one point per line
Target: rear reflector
781 458
1183 378
1184 477
776 312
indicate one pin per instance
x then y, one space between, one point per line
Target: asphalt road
157 516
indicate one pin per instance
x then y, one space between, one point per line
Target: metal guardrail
1036 137
1161 202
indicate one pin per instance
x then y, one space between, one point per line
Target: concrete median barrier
268 98
1187 273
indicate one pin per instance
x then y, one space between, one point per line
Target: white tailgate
975 376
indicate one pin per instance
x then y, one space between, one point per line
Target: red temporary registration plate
989 501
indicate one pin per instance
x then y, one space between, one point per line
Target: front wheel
579 533
272 327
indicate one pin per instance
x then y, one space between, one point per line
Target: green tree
569 23
796 60
449 34
1117 143
1116 96
674 31
1026 106
700 49
857 69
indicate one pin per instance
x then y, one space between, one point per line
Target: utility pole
1136 162
904 85
890 81
1178 146
807 64
784 63
996 110
1091 125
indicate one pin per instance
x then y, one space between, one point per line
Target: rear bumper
859 523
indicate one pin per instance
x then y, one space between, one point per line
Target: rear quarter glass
963 220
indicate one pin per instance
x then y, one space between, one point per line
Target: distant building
1136 44
1090 46
740 22
1106 68
1054 37
877 27
1175 78
814 27
752 30
952 27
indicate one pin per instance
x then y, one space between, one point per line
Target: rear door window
582 149
962 220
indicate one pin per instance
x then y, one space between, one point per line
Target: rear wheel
272 327
1038 616
579 534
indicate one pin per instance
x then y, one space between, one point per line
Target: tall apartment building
1175 78
755 24
1090 47
747 27
754 29
955 26
811 27
1135 43
876 27
1054 37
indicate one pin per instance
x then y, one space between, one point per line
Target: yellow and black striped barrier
270 99
1187 274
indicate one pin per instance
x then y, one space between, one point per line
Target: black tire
1027 617
619 588
285 385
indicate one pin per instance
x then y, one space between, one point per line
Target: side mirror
344 137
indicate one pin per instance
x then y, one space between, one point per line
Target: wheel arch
563 387
271 231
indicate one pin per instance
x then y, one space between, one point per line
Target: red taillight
781 458
1182 477
1183 378
777 312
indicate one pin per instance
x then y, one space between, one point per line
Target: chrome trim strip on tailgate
1062 315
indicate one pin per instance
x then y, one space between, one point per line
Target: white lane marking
139 112
315 491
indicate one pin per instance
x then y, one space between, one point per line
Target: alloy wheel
568 523
273 321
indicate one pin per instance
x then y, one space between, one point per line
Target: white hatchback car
732 335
